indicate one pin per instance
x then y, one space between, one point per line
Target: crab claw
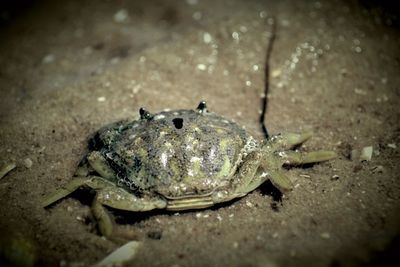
202 107
145 115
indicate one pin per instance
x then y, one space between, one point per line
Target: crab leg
64 191
94 182
248 180
121 199
298 158
100 165
280 181
104 220
109 195
289 140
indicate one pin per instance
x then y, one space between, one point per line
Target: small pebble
366 153
360 91
207 38
335 177
393 145
201 66
276 73
28 163
325 235
249 204
101 99
192 2
235 36
121 16
197 15
358 49
48 59
114 60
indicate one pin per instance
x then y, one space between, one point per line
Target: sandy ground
69 68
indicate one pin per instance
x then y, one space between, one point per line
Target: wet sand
69 68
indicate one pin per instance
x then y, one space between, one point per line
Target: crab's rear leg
256 169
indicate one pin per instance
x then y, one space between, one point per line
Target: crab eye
202 107
178 123
144 114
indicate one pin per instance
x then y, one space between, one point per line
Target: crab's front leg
277 153
253 172
246 179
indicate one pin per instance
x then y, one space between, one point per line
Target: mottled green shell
175 153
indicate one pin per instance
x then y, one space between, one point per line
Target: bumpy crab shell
175 154
179 160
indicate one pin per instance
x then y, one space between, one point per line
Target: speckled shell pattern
175 153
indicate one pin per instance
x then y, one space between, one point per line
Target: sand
69 68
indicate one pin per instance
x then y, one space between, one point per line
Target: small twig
264 98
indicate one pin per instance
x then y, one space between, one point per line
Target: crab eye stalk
202 107
145 115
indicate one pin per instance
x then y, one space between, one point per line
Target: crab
180 160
